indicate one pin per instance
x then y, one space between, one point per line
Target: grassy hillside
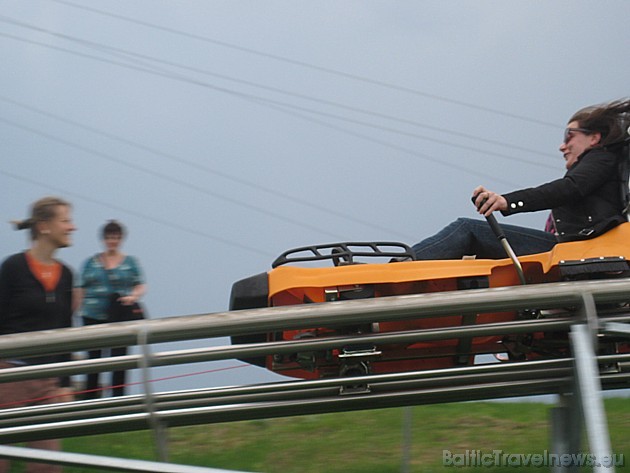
365 442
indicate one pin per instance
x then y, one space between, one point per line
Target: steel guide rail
277 387
289 346
286 346
106 463
284 408
318 396
547 296
378 384
452 385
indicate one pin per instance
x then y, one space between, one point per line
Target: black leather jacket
585 203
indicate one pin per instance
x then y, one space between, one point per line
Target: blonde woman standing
36 294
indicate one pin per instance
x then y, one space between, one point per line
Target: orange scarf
47 274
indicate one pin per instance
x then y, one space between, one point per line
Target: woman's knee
467 222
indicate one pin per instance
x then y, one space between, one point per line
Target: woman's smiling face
576 141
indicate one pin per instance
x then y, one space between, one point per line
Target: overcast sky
222 133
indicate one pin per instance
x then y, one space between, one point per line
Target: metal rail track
203 406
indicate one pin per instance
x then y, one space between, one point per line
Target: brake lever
498 231
492 220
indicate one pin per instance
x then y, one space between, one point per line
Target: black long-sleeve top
25 305
585 203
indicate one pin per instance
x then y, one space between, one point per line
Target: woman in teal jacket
106 274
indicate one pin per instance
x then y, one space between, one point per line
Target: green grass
353 442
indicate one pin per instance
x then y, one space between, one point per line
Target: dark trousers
467 236
118 377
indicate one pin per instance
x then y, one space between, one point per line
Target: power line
412 135
197 166
137 214
276 105
251 207
308 65
168 178
127 53
282 106
386 144
407 151
251 98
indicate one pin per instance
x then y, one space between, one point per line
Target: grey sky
225 132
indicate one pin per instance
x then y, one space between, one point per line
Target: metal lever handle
498 231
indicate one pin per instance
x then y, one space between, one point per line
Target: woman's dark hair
42 210
112 227
611 120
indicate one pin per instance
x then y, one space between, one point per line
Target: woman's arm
77 298
136 293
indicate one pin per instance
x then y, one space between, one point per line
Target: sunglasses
568 133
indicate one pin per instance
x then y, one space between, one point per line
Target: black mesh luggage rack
345 253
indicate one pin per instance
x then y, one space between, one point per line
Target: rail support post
160 432
588 394
566 428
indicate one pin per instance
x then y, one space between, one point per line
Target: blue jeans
466 236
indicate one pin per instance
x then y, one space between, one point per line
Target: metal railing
300 397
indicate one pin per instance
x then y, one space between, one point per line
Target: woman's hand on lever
487 201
